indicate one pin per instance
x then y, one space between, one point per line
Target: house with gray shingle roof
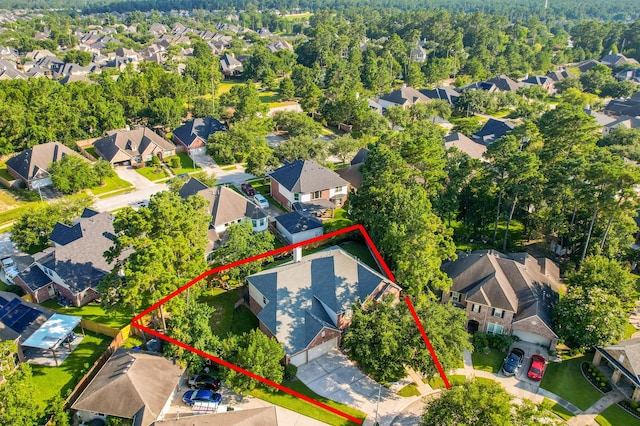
307 182
31 166
306 304
404 97
226 207
472 148
298 226
506 294
624 359
192 136
492 131
133 146
74 265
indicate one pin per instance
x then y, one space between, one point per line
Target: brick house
192 136
306 185
74 265
506 294
306 304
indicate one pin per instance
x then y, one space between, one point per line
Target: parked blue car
201 395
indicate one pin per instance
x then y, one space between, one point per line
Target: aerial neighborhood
382 214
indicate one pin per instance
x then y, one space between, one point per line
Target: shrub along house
306 304
506 294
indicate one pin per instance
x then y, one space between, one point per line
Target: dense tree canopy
383 338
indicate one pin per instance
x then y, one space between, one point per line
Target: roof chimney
297 254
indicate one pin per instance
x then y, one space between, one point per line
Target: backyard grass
226 319
94 312
92 151
361 251
339 220
465 243
111 184
558 409
51 381
187 164
490 362
616 415
629 331
152 173
565 380
299 406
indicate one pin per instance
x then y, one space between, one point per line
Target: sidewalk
589 416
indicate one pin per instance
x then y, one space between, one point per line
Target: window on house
338 189
455 296
498 313
494 328
254 223
296 197
262 222
316 195
475 308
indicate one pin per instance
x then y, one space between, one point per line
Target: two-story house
506 294
306 185
133 146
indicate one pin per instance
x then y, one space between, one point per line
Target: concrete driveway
335 377
520 380
130 175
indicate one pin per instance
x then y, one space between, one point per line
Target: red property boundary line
135 321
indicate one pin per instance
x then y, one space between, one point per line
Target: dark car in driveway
513 362
204 381
248 189
201 395
536 370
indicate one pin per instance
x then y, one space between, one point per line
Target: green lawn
50 381
616 415
228 168
490 362
299 406
409 390
464 243
265 189
94 312
92 151
5 174
111 184
152 173
225 319
558 409
187 164
339 220
360 251
565 380
436 382
15 202
629 331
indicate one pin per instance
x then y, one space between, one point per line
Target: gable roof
79 261
304 176
492 130
405 96
624 121
505 84
626 357
131 383
35 161
198 128
263 416
360 157
296 222
615 59
448 94
303 296
619 107
351 174
191 187
519 283
559 75
471 148
538 80
121 145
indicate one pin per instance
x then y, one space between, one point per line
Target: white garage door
322 348
299 359
532 338
201 150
